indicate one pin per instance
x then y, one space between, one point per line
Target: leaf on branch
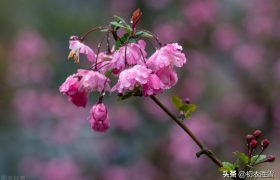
227 166
257 159
121 41
143 34
185 108
188 109
243 157
177 102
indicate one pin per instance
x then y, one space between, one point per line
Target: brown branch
203 150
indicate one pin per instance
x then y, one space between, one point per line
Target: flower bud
99 119
249 138
257 134
187 100
253 144
270 158
265 143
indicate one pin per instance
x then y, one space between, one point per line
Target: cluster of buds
253 143
136 72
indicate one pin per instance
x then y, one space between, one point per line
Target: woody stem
203 150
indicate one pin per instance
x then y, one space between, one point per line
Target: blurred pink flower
157 4
225 37
248 56
99 118
29 46
200 12
60 169
169 31
125 118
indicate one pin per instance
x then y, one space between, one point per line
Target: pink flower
154 86
95 81
130 78
169 55
168 77
71 88
99 119
133 53
78 47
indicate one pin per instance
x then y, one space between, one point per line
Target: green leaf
227 166
143 34
121 41
188 109
257 159
122 20
108 72
177 102
117 24
242 156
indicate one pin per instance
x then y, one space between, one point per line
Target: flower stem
203 150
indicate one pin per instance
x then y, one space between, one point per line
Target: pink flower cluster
130 64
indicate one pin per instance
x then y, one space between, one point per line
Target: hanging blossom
135 73
99 118
77 47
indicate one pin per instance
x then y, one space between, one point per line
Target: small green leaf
108 72
257 159
177 102
188 109
242 156
132 40
143 34
117 24
227 166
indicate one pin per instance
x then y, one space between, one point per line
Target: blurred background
232 74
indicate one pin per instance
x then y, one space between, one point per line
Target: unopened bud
257 134
187 100
270 158
253 144
265 143
249 138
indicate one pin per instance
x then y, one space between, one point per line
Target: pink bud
270 158
257 134
99 119
253 144
249 138
265 143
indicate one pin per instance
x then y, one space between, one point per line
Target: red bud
187 101
265 143
253 144
270 159
257 134
249 138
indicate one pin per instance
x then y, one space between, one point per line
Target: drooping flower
169 55
78 47
154 86
103 62
71 88
133 53
130 78
99 118
168 77
95 81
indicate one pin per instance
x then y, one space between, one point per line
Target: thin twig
207 152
